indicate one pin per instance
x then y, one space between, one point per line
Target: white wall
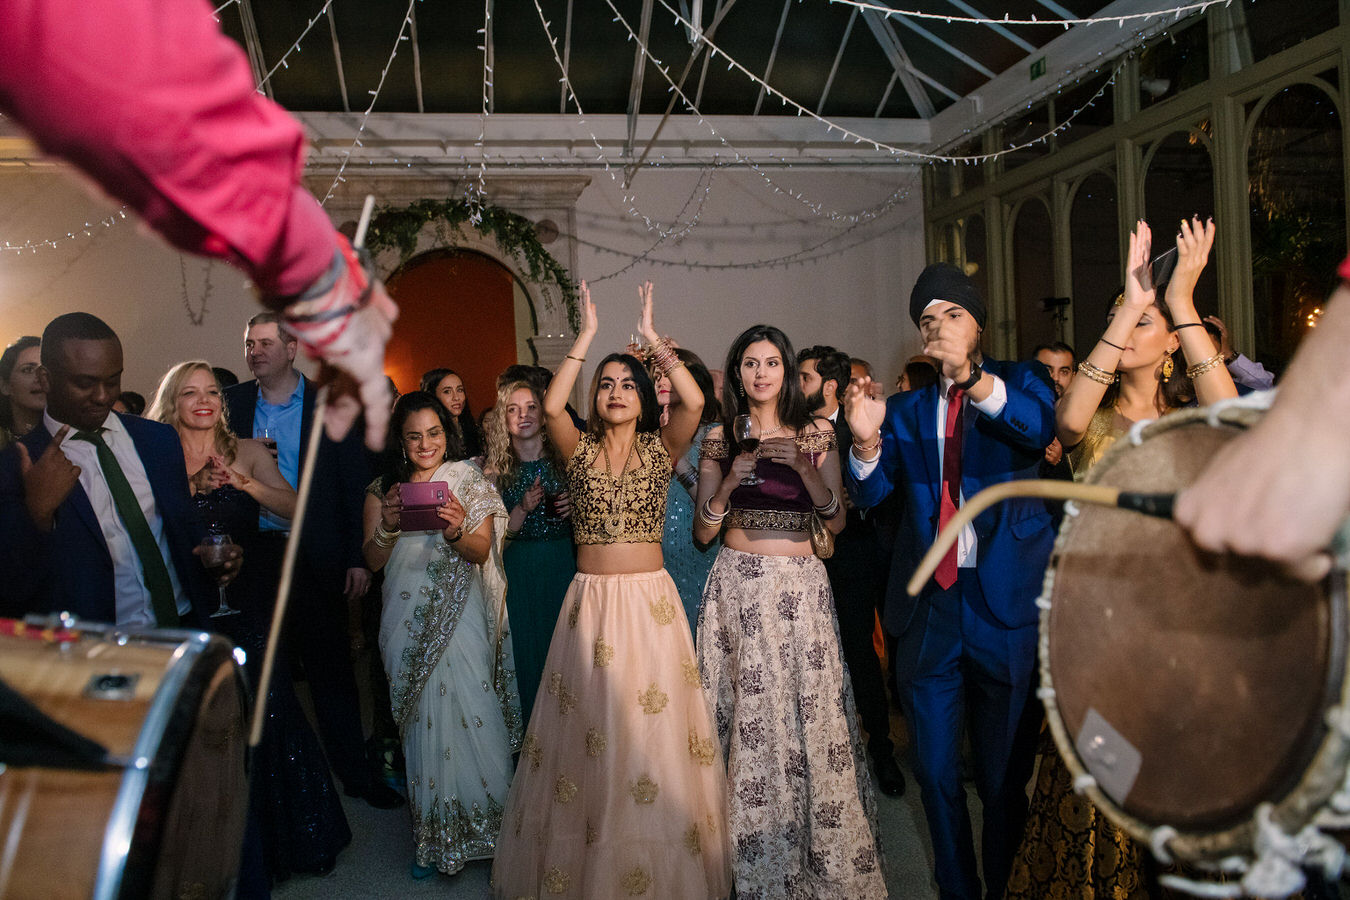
855 299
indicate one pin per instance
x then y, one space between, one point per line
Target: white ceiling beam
253 46
838 57
639 70
567 59
417 57
1070 56
773 54
337 58
943 45
890 45
1057 9
997 29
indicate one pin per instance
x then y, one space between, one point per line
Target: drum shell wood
1216 672
167 824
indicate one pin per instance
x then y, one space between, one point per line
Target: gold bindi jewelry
613 523
1101 376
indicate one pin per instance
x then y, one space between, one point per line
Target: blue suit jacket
331 541
1015 537
70 568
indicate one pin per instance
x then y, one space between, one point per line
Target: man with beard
1060 359
857 573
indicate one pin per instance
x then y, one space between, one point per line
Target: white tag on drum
1109 757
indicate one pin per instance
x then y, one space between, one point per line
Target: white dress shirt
133 606
967 544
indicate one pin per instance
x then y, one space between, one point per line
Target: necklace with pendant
613 523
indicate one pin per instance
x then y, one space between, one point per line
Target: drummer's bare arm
1282 489
1194 241
1075 409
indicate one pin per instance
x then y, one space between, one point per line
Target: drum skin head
1211 674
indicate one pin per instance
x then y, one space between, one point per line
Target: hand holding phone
421 502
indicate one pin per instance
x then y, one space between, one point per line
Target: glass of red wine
215 553
746 433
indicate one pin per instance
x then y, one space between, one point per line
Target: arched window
1034 278
1095 245
1179 184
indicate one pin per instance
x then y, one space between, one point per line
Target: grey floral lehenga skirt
802 813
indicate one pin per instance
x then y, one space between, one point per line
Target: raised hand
534 495
863 412
1194 242
210 476
590 323
646 327
1139 290
47 482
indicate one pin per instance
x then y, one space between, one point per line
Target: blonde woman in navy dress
620 790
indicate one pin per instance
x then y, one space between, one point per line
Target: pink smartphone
420 499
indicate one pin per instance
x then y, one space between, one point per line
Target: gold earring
1167 368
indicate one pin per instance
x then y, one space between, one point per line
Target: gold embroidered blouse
623 509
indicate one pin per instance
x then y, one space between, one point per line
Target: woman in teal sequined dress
540 557
687 563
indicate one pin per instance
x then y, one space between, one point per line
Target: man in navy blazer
967 644
64 544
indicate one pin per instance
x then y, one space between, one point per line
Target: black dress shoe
889 777
378 794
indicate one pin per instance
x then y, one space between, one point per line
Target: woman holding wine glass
802 813
620 789
301 818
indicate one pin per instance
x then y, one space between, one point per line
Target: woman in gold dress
1137 371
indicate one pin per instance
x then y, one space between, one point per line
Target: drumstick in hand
1159 505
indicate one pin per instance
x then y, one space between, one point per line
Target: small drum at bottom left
166 817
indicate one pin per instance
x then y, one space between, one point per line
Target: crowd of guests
649 648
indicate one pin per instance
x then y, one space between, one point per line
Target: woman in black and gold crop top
620 789
802 815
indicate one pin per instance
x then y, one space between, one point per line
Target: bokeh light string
1118 20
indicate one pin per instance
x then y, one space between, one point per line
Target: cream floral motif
564 790
691 840
701 750
596 742
690 672
644 790
663 611
556 881
653 699
604 653
636 882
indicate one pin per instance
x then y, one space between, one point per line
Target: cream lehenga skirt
620 790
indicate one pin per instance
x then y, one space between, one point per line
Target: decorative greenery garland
514 234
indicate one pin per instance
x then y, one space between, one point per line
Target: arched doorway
462 310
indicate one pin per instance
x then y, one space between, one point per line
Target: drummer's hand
234 558
1268 496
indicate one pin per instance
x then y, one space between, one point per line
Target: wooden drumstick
297 524
1159 505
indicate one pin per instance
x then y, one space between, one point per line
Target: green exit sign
1038 68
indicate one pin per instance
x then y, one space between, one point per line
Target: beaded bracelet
1101 376
1208 365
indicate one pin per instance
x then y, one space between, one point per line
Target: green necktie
138 529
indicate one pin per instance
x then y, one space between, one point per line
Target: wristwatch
974 379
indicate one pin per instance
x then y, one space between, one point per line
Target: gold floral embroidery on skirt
596 742
556 881
691 840
591 835
604 653
636 882
644 790
701 750
533 749
573 613
653 699
566 699
663 611
690 672
565 789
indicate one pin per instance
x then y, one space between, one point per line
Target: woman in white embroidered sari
445 643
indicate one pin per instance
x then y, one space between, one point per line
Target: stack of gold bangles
1101 376
1208 365
710 518
660 352
385 539
830 509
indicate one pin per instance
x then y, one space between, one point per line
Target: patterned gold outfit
620 790
445 643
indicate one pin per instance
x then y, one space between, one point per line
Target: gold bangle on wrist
869 448
1101 376
580 359
1208 365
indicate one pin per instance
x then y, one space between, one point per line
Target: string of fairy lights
477 185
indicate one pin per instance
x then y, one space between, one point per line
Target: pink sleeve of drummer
159 108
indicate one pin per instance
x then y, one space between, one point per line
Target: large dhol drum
1195 699
166 819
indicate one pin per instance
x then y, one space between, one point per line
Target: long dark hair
712 410
1174 393
650 417
792 410
463 440
8 360
400 469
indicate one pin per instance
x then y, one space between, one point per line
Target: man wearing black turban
966 647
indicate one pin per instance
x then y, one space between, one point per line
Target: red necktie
951 480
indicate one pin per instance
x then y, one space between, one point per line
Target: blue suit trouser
955 663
